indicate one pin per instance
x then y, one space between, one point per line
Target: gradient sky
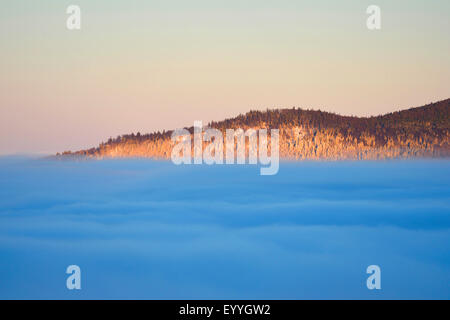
140 65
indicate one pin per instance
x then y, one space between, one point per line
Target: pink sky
150 66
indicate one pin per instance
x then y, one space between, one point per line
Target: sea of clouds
143 229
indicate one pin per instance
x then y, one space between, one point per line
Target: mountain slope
307 134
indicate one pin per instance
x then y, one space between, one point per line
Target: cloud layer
147 229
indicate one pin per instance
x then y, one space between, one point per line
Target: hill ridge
313 134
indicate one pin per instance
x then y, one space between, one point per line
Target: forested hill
309 134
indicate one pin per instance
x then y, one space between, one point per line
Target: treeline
417 131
